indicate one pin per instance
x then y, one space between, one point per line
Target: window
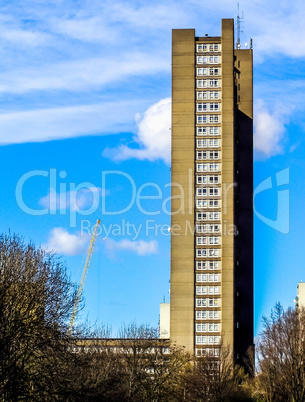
201 155
202 59
214 315
214 143
201 252
214 83
214 118
214 265
213 229
201 278
214 240
201 107
213 290
214 95
213 155
214 327
201 47
201 191
201 203
214 179
201 241
201 265
201 167
208 278
202 71
201 340
201 130
201 179
201 228
201 315
201 327
214 131
214 302
216 48
201 95
214 252
200 143
213 167
213 216
201 119
201 216
214 59
201 83
211 315
201 302
214 204
214 71
214 191
204 107
214 278
214 340
201 290
209 352
214 107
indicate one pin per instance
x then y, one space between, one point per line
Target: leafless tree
36 299
215 378
281 356
151 369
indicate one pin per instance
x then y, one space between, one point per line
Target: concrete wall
183 144
164 320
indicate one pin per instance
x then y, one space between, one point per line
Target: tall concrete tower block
212 190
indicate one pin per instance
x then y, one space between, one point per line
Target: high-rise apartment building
212 182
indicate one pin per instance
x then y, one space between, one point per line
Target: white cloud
140 247
153 137
66 122
61 241
93 49
25 38
277 27
84 198
269 131
91 29
152 16
83 74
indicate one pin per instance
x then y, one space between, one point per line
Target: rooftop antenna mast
239 20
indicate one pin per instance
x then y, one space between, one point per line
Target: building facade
212 186
300 299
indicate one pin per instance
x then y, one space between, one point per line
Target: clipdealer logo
65 198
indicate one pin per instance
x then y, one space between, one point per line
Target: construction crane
84 276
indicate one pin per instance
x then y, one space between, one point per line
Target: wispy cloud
62 242
140 247
85 50
90 29
83 74
75 200
269 23
25 38
153 137
66 122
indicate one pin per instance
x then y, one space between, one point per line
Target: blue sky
85 89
